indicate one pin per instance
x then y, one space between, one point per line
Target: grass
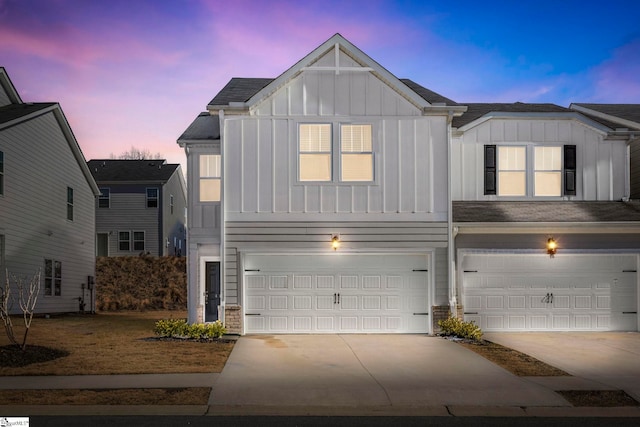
116 343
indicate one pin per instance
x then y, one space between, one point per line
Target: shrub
179 328
454 326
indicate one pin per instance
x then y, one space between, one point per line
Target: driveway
368 370
605 359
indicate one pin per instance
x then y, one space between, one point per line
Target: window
152 197
356 153
210 171
124 241
547 171
512 172
138 240
70 203
171 204
315 152
541 171
52 277
1 173
104 199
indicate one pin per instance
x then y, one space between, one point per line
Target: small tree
27 298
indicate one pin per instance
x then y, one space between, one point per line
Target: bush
179 328
454 326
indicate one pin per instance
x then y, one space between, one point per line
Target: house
336 147
141 207
626 122
529 176
338 198
47 196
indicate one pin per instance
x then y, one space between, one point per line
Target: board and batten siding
600 163
315 237
39 166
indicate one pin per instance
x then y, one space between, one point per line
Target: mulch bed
13 357
598 398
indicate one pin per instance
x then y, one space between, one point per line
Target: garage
532 292
337 293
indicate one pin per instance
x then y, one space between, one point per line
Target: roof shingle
108 170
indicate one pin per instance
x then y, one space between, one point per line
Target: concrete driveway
604 359
368 371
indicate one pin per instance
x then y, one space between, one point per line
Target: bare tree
27 298
135 153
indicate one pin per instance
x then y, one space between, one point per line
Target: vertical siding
601 164
39 166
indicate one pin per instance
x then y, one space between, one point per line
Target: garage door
515 292
336 293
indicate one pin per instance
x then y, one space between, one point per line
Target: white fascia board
352 51
546 227
198 142
600 128
455 110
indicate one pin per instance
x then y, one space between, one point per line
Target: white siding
39 166
600 164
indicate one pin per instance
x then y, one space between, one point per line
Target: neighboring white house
141 207
47 196
434 206
523 174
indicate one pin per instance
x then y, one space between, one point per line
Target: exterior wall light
552 247
335 241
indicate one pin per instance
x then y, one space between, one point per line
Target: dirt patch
598 398
517 363
147 396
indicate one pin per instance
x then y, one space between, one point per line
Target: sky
137 72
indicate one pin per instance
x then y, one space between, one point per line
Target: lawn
115 343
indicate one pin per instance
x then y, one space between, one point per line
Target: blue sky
137 72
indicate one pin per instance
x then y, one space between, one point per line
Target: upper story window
171 204
316 148
152 197
314 145
52 277
104 199
70 203
528 170
1 173
209 178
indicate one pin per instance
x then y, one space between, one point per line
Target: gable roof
627 115
250 91
7 86
11 113
477 110
545 211
109 170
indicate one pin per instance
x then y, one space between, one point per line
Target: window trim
69 204
209 178
121 241
102 198
55 288
151 198
134 241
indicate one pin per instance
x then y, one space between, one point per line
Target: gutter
613 227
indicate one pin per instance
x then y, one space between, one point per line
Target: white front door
337 293
518 292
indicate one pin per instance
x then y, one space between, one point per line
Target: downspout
223 284
450 237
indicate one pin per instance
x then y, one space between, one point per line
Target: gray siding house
47 196
338 198
141 207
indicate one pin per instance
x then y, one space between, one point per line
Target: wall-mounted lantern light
335 241
552 247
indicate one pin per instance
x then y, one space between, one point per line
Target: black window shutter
489 169
569 170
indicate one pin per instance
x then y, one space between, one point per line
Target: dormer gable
8 93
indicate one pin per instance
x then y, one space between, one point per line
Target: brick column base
233 319
442 312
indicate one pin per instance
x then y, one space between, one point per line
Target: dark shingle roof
107 170
629 112
15 111
242 89
536 211
477 110
204 127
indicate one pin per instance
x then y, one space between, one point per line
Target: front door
102 244
212 295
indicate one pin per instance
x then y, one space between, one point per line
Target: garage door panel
547 294
368 294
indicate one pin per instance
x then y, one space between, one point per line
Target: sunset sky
137 72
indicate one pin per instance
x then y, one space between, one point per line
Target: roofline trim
635 126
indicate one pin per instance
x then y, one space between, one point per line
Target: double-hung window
52 277
70 203
138 240
152 197
315 152
319 155
530 170
210 172
124 241
104 199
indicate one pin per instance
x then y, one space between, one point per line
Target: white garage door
337 293
515 292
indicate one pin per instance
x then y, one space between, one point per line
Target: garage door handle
253 314
629 312
420 314
470 312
